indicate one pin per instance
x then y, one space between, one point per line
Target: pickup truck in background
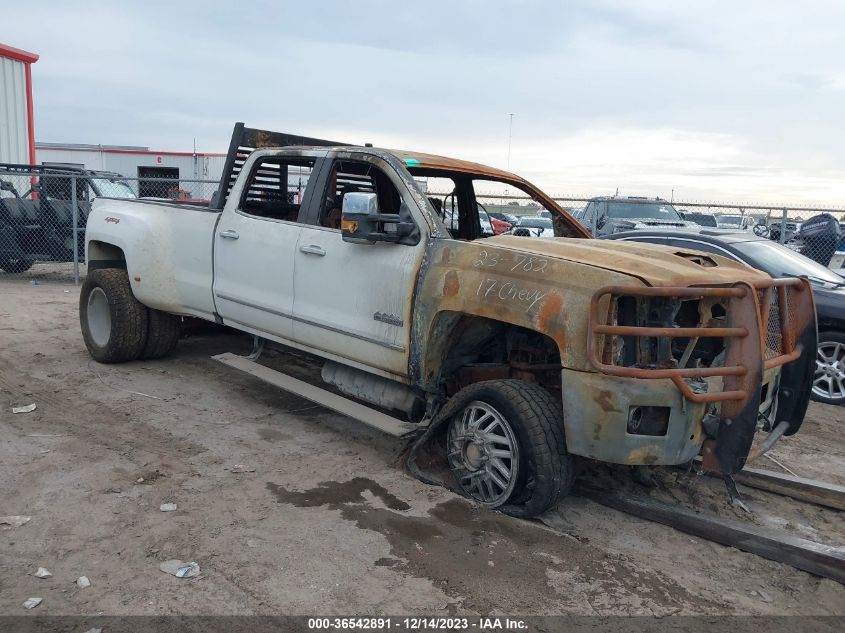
611 214
513 355
37 225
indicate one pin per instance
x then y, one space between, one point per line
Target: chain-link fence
44 212
816 232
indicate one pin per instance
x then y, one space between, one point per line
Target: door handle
312 249
229 234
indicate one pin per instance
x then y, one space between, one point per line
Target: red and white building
17 122
143 163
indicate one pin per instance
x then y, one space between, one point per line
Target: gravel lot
324 519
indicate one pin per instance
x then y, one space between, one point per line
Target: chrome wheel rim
99 317
829 380
483 454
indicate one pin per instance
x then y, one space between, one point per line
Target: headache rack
246 140
764 321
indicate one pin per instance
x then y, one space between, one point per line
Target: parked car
487 228
498 225
740 222
701 219
507 356
488 225
577 213
533 226
609 215
510 218
36 224
779 261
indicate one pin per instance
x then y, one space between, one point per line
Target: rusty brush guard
767 324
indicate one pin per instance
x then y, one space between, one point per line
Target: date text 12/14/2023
417 623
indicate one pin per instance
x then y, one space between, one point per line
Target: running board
345 406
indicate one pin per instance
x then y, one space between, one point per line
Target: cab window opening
276 188
349 176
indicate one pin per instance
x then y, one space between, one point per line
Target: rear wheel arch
105 255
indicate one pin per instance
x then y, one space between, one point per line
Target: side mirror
361 222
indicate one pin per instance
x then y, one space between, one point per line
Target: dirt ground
321 517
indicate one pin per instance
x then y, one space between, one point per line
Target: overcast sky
739 101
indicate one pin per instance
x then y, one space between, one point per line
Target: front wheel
114 323
829 379
506 447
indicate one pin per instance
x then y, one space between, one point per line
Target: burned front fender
543 294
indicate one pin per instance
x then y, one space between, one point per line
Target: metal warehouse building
17 126
142 163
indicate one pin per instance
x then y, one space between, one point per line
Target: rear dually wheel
113 321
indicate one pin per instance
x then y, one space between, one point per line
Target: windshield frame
569 226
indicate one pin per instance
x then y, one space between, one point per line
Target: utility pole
510 135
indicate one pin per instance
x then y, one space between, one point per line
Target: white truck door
353 301
256 241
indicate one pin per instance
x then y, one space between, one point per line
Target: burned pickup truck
516 355
37 211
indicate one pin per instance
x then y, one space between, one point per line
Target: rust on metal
421 164
765 314
671 332
444 163
743 300
671 291
718 396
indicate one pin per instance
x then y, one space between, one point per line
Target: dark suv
612 214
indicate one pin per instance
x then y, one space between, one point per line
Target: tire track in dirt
88 418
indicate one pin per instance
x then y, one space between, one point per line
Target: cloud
715 100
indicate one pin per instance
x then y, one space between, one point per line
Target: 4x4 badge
392 319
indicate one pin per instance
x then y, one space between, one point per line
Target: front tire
506 447
113 321
829 379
